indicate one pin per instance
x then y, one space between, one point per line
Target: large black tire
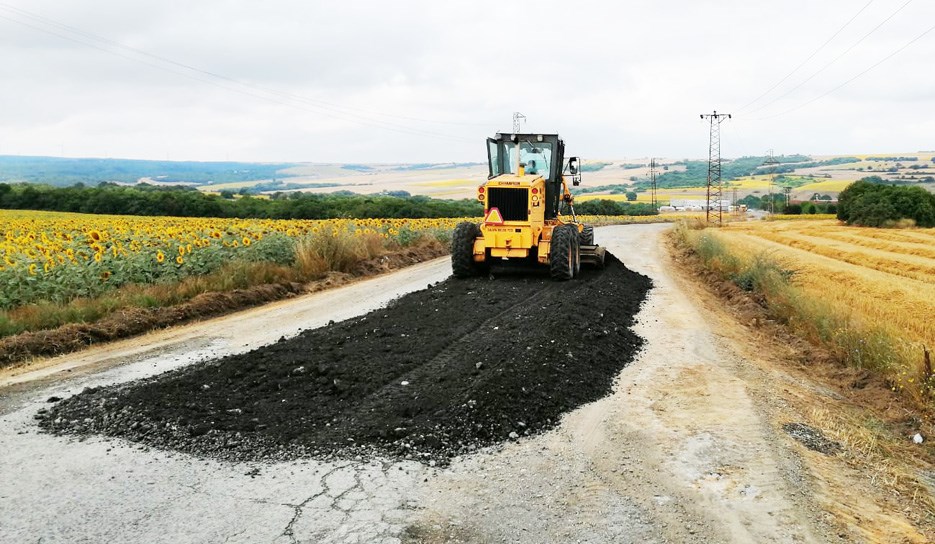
577 241
586 236
562 254
462 250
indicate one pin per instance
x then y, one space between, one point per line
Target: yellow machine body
503 238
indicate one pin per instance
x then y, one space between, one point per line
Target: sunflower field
56 257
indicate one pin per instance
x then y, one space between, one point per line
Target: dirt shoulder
857 455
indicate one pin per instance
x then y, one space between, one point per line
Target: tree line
109 198
143 199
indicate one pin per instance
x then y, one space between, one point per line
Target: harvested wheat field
885 278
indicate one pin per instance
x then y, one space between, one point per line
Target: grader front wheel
462 250
563 253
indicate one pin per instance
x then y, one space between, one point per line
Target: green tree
876 205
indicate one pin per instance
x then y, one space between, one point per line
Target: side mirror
573 165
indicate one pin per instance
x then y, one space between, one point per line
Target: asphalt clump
812 438
459 366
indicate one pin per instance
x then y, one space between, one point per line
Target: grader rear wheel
586 236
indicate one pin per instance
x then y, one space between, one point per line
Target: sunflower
246 241
94 235
32 269
179 259
160 256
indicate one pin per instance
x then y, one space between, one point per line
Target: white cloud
616 79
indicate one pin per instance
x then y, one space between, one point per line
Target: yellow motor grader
523 199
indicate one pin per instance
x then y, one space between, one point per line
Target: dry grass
887 460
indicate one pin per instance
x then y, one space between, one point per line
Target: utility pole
517 119
652 177
788 191
771 162
714 163
734 203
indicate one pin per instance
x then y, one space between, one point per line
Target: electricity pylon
771 162
517 118
714 163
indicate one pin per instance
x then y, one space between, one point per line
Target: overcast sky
410 81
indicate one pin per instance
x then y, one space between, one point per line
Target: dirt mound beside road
460 365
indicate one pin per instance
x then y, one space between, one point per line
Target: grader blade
593 256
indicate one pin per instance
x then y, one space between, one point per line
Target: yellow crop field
800 217
640 197
749 182
601 220
451 183
881 279
831 185
55 257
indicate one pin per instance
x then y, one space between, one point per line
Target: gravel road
678 452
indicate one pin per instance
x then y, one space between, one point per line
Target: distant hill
64 172
244 177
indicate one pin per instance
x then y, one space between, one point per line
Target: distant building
699 204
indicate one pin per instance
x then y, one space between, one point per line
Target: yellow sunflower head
179 259
160 256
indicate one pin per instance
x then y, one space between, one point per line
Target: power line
810 57
75 30
828 65
652 177
881 61
305 104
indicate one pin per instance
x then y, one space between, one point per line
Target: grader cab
528 212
